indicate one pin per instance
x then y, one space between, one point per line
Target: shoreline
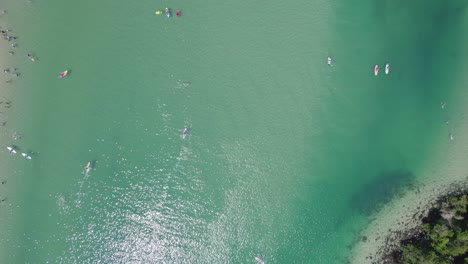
375 244
10 123
445 173
5 131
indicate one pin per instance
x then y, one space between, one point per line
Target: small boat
63 74
11 150
376 70
26 156
387 68
168 13
177 13
88 168
329 61
185 133
158 12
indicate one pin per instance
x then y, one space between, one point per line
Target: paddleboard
11 150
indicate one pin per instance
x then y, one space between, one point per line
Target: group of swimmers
7 36
3 199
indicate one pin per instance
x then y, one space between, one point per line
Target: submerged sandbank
446 172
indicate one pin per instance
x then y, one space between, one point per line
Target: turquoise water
286 158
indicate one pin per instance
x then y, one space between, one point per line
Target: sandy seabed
447 173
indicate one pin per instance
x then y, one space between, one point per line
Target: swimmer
442 105
451 136
17 136
329 61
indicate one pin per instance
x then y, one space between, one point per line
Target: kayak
184 134
11 150
376 70
177 13
387 68
63 74
158 12
168 13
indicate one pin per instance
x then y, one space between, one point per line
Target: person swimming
31 57
329 61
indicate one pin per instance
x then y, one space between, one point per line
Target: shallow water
286 157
